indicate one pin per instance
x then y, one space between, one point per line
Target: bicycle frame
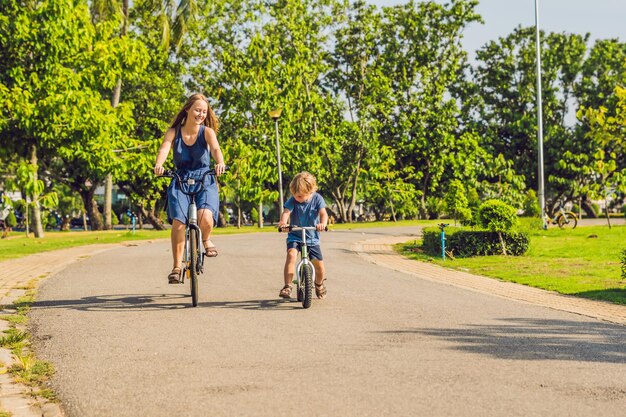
192 216
304 254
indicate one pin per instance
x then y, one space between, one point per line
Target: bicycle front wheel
194 254
306 280
567 220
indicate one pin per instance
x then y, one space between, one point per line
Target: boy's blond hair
304 182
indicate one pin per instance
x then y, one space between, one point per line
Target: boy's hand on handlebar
321 227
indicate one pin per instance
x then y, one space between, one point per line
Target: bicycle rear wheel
306 280
567 220
193 265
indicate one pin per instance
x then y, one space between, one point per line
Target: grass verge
26 369
18 245
584 262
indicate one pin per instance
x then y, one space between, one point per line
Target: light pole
275 114
540 193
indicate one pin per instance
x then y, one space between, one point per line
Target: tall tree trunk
108 202
260 222
91 207
502 243
115 101
606 211
393 208
151 217
589 211
37 226
355 184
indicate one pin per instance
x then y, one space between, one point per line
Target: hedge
466 243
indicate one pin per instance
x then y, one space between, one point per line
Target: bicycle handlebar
169 173
296 228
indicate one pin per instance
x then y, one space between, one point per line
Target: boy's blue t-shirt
305 214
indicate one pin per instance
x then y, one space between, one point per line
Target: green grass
583 262
18 245
370 225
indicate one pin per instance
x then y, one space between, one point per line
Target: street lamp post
275 114
540 193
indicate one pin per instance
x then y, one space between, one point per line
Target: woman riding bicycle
193 136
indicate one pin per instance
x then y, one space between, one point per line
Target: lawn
18 245
583 262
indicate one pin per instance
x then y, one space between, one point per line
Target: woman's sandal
209 252
174 276
285 292
320 290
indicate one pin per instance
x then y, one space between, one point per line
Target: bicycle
564 219
305 272
193 254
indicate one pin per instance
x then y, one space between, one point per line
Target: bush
254 215
497 216
466 243
531 205
11 220
434 206
125 219
596 209
456 201
52 220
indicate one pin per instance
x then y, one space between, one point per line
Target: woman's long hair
210 120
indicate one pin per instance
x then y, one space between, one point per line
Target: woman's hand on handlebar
219 169
158 170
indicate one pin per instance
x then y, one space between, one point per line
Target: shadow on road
273 304
534 339
119 302
143 302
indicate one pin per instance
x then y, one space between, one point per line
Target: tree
172 20
607 130
497 216
259 57
456 201
422 55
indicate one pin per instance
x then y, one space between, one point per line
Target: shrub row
465 243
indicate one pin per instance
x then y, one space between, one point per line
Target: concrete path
16 277
394 337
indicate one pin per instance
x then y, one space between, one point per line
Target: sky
603 19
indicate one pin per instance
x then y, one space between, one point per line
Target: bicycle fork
299 267
192 221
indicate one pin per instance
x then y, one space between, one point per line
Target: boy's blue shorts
315 251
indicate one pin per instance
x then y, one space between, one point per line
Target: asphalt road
125 343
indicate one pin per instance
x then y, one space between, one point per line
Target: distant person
193 137
305 208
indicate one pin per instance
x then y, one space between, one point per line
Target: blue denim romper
192 162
